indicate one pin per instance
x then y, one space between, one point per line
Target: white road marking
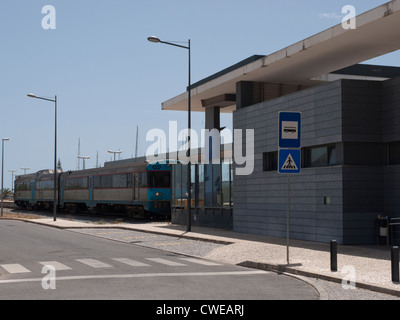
202 262
14 268
144 275
132 263
94 263
167 262
57 265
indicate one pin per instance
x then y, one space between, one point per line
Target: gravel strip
167 243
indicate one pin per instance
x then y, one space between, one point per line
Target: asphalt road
87 267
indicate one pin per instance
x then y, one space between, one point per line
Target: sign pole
288 221
289 156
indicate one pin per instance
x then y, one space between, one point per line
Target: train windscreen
159 179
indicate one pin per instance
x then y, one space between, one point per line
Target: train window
44 185
113 181
76 183
97 182
119 180
102 182
129 181
143 180
159 179
22 186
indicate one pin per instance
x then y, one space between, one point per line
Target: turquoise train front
159 188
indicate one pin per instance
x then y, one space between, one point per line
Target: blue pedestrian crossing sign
289 130
289 161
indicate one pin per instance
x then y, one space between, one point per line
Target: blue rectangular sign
289 130
289 161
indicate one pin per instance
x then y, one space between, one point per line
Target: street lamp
31 95
189 178
2 172
115 152
83 158
24 169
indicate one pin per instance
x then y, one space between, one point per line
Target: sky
109 79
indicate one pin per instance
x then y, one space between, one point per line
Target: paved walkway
368 266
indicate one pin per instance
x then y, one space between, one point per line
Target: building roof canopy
305 63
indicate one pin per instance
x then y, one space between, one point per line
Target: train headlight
159 194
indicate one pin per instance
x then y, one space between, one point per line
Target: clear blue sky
109 78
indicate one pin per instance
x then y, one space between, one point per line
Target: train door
61 188
135 187
32 191
90 190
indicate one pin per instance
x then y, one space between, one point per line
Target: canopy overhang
306 63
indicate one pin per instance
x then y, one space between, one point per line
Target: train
137 189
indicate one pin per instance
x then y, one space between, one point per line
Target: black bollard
395 264
333 255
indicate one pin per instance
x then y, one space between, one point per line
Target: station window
211 185
394 152
270 161
320 156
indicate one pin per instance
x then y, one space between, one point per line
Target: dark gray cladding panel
338 202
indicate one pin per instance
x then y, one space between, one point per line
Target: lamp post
115 152
24 169
2 171
189 178
83 158
31 95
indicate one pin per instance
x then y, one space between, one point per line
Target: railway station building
350 141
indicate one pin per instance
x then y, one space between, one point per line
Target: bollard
395 264
333 255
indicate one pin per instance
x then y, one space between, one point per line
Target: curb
288 270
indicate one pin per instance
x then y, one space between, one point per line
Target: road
87 267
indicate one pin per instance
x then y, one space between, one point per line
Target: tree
59 165
6 192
